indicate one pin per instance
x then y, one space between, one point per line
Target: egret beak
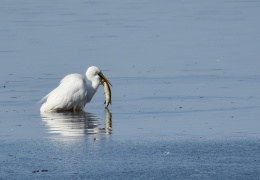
101 75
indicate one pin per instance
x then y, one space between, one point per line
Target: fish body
107 93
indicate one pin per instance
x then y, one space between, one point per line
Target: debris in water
44 170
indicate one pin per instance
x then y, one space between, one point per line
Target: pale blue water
185 95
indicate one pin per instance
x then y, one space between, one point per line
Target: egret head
94 72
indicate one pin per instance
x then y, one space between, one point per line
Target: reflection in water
76 123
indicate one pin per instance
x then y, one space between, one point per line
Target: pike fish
107 93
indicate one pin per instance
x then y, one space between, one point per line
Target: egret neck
92 88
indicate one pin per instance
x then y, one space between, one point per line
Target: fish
107 93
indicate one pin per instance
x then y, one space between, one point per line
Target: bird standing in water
73 92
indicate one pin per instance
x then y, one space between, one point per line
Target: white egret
73 93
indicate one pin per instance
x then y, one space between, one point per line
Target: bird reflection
76 123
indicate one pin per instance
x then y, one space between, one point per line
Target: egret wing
69 95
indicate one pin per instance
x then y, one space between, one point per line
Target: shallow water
185 95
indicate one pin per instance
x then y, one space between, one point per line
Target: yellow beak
103 77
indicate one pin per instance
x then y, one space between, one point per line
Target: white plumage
73 93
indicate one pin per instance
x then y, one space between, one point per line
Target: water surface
185 95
